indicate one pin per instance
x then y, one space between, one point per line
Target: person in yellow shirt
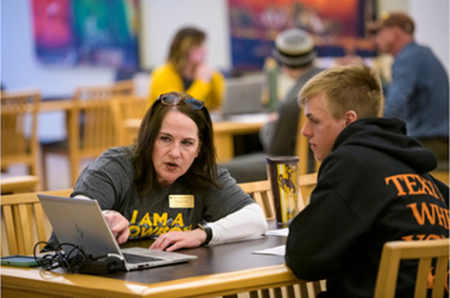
186 71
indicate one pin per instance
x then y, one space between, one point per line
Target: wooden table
224 131
219 269
18 184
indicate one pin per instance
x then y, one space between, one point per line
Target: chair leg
74 170
44 182
32 170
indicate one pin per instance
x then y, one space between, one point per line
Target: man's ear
350 117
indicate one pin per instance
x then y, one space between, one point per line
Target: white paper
279 232
277 251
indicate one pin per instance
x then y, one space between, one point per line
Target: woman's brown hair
182 43
202 173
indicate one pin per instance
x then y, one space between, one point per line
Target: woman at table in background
186 71
168 184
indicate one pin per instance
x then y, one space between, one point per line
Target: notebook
242 96
80 221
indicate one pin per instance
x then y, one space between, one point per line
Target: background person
186 71
419 93
373 185
174 159
294 51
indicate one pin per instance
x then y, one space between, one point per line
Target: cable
73 261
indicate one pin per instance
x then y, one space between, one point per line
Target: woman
186 71
168 185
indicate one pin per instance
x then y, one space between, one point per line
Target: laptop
80 221
242 96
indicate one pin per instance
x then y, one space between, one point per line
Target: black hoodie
374 187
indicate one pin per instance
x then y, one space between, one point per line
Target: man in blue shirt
419 93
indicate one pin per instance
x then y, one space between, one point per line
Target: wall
432 26
19 68
431 20
162 18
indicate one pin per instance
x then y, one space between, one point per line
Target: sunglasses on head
173 100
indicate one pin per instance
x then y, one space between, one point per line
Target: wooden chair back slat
40 222
8 219
424 251
24 221
440 277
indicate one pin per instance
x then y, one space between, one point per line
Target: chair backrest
442 176
424 251
118 88
98 118
130 107
302 147
257 284
261 193
96 125
24 223
133 107
19 136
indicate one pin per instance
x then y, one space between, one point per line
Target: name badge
181 201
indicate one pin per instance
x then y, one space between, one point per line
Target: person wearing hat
294 52
419 92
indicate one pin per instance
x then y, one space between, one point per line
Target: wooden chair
19 184
24 222
302 147
261 192
94 125
16 146
442 176
131 108
424 251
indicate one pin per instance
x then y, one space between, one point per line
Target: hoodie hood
388 136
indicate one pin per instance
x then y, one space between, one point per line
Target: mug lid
281 159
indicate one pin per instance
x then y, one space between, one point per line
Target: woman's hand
118 225
203 72
176 240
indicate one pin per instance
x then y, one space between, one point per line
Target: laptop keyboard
134 259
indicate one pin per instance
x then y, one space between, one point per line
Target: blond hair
345 88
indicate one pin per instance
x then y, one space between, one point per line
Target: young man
373 187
